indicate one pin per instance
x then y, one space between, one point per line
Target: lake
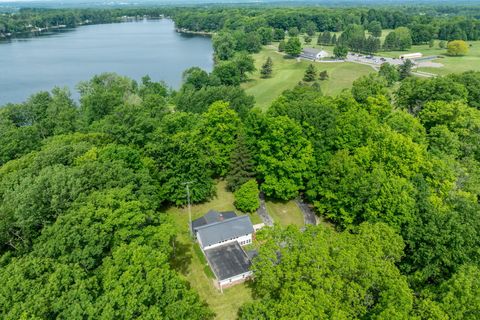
133 49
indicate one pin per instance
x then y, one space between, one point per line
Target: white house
238 229
221 236
313 54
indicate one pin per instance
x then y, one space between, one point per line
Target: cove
133 49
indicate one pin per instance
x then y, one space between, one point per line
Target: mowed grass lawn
288 72
450 64
285 213
188 262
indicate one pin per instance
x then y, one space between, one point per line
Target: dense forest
392 165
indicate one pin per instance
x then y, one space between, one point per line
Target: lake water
133 49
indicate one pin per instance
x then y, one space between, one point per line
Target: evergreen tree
325 38
405 69
323 75
308 39
266 71
334 40
241 164
310 74
281 46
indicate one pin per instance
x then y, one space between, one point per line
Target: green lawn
192 264
288 72
451 64
285 213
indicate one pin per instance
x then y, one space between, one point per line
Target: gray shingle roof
228 260
212 216
225 230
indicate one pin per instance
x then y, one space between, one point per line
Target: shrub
246 197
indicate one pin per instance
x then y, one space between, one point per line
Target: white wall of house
236 278
242 240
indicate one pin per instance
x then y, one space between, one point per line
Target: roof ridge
223 221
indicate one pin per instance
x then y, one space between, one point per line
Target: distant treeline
444 23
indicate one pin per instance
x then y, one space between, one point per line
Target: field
191 263
288 72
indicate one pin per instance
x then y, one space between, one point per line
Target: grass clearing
192 264
288 72
285 213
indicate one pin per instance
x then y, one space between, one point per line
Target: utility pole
187 184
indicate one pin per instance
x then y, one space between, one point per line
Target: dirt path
262 211
308 214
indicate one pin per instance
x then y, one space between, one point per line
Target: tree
323 75
246 197
404 38
375 28
100 95
285 158
311 28
278 34
353 37
293 47
334 40
324 38
310 73
459 295
431 43
136 282
391 41
368 86
244 63
224 45
266 35
242 166
308 39
389 72
325 272
340 52
219 128
198 101
179 158
293 32
371 45
457 48
267 68
442 44
281 46
405 70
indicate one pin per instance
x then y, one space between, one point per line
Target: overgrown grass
288 72
285 213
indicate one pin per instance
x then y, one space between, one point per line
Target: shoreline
199 33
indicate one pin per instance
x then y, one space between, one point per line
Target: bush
246 197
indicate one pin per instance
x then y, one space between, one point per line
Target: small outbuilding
313 54
415 55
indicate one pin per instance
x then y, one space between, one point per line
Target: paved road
308 214
262 211
376 61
